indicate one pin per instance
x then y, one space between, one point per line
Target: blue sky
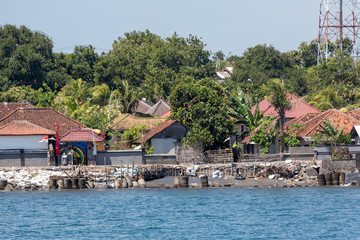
228 25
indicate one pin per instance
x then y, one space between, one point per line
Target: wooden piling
335 178
176 181
342 178
204 181
67 183
53 183
82 183
3 184
321 179
74 183
328 179
184 181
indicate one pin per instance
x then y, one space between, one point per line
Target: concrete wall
338 165
163 145
160 159
309 150
30 159
22 142
117 157
324 152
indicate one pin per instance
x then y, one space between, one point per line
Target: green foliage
291 140
342 153
264 139
241 111
95 117
145 59
330 135
25 57
203 107
130 136
150 150
279 99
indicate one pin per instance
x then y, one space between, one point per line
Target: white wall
22 142
163 145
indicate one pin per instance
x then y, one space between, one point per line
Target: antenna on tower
339 25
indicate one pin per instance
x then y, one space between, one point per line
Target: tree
145 59
25 57
329 134
126 98
279 99
80 63
241 111
203 107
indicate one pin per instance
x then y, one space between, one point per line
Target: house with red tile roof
81 135
8 107
43 117
23 135
165 138
311 123
299 108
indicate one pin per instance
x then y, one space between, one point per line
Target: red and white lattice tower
339 24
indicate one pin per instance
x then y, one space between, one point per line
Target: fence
187 155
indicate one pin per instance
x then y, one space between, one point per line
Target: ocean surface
220 213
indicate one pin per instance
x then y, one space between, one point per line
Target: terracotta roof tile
8 107
22 128
299 107
44 117
126 121
312 126
81 135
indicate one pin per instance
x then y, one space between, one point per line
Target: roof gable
8 107
81 135
43 117
23 128
159 109
157 130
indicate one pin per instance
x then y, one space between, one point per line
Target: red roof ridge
324 115
317 119
27 123
304 101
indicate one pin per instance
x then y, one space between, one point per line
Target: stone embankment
257 174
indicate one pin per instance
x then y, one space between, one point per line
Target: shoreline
252 174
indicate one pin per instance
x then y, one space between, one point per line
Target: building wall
22 142
30 159
160 159
118 157
163 145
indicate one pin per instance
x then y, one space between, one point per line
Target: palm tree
100 94
126 98
326 99
330 134
241 111
279 99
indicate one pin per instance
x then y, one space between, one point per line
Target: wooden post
120 169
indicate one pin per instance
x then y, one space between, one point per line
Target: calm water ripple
223 213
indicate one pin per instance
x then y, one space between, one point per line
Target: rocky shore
255 174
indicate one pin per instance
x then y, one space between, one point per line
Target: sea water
214 213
